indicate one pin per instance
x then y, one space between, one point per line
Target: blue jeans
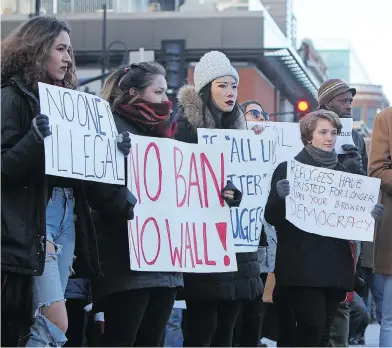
50 286
375 283
173 335
386 320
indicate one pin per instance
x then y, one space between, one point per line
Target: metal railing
61 6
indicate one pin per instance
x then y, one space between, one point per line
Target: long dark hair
138 76
26 50
227 117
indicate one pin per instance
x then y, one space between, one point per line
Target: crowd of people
65 252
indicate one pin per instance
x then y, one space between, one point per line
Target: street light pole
103 66
37 7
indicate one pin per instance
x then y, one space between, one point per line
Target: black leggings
137 317
210 323
306 315
247 331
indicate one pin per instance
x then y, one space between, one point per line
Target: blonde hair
308 124
111 90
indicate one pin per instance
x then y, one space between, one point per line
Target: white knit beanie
211 66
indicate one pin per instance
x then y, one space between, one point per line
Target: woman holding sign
313 272
214 300
43 217
136 305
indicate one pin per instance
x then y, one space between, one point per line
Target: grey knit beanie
211 66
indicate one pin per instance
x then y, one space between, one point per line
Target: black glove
131 202
352 160
359 285
283 188
40 127
124 143
236 201
378 211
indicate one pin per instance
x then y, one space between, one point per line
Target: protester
254 112
313 272
249 322
380 166
337 96
136 305
359 321
40 51
213 300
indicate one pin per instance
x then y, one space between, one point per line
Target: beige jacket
380 166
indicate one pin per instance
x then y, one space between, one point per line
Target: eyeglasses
257 114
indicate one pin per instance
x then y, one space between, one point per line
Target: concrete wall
202 30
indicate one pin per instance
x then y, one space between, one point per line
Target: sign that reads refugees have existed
249 160
331 203
83 141
181 220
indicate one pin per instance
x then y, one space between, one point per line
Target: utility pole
103 66
37 7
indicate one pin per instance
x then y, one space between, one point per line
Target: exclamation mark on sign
221 227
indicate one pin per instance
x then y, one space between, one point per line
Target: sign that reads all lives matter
331 203
83 141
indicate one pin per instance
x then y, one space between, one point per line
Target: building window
356 112
371 114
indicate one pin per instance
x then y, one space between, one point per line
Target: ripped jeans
50 286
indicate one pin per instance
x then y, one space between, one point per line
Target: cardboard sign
250 160
181 220
83 141
331 203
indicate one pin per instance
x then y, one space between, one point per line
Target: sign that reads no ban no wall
331 203
83 141
181 220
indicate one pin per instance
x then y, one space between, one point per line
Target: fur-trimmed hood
191 106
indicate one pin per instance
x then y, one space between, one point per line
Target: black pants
16 308
210 323
77 322
137 317
359 317
305 315
247 331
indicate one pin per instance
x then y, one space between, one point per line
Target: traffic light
173 60
302 108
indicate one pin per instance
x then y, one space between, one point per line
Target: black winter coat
114 247
24 193
302 258
245 284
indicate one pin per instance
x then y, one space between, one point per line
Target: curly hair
26 50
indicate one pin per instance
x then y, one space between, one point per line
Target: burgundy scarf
153 116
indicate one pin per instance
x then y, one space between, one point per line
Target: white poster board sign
249 165
331 203
181 221
83 141
289 142
289 138
346 135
